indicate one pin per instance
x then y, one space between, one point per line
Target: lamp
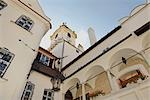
77 86
124 60
56 84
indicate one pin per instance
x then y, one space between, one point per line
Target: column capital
83 82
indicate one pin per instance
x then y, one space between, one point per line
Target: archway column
146 59
83 91
116 85
110 80
63 96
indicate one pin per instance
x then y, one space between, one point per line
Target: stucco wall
10 34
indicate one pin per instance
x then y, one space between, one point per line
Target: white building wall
70 53
41 82
10 33
66 52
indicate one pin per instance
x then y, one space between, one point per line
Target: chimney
92 36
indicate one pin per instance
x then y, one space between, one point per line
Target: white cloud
45 42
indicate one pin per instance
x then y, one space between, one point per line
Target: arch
68 95
126 73
93 71
123 19
146 41
132 58
117 57
132 62
87 89
102 83
71 84
136 9
130 69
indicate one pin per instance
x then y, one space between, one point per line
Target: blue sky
101 15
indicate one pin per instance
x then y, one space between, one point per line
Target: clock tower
63 44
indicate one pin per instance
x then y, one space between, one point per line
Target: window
77 51
5 60
48 94
44 59
2 4
142 29
28 91
69 35
56 36
25 22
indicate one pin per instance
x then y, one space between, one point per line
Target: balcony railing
46 70
133 91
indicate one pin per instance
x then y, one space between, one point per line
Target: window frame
25 22
4 4
69 35
47 95
56 36
43 59
28 90
6 58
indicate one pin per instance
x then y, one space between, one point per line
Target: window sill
3 79
20 27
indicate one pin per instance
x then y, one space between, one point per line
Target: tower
92 36
63 33
63 44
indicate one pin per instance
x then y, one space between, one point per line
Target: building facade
116 67
43 77
22 26
63 45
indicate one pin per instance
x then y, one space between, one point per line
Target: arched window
68 95
69 35
56 36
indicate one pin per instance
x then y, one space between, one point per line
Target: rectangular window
2 4
25 22
5 60
44 59
48 94
142 29
28 91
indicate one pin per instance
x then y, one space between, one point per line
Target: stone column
116 85
83 91
110 80
146 58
